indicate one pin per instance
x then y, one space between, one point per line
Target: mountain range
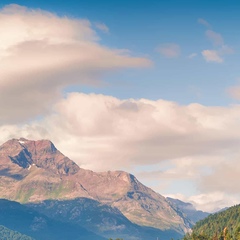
108 204
188 210
25 220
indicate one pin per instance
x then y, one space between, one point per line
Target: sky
148 87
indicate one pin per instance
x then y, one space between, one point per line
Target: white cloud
137 132
101 26
213 201
210 202
217 40
217 55
216 188
212 56
223 177
41 53
169 50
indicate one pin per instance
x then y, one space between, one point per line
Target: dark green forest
8 234
220 226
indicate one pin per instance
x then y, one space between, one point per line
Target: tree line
8 234
224 225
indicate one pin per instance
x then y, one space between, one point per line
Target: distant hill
27 221
8 234
188 210
99 218
223 225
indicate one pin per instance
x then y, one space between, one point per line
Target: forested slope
8 234
220 226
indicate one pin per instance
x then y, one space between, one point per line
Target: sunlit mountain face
139 101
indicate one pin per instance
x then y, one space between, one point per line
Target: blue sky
142 26
149 87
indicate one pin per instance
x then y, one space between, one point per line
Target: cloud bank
100 132
41 53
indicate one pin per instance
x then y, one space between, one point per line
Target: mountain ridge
188 210
32 223
34 171
100 218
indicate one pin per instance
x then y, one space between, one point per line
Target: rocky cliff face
33 171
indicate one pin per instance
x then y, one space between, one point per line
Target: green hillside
8 234
220 226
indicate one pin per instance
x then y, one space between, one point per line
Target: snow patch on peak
22 140
125 178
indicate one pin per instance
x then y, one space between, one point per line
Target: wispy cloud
220 48
224 50
215 38
192 55
234 92
169 50
204 22
212 56
101 26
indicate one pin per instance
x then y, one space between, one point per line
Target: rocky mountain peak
33 171
41 153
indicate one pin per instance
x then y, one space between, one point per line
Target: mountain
27 221
99 218
8 234
188 210
223 225
34 171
